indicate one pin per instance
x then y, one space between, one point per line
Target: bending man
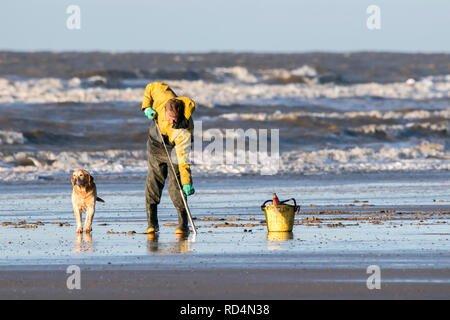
173 115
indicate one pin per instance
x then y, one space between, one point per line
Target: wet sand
233 255
225 284
254 264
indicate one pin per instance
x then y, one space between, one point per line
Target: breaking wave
44 164
397 129
11 137
209 94
387 115
331 118
238 74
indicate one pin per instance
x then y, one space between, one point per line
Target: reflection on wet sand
83 245
182 244
275 239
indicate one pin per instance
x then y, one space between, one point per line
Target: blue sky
232 25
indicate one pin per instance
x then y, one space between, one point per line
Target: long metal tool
178 181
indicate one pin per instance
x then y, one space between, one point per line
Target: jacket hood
189 106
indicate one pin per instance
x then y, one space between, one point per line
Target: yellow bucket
279 236
280 218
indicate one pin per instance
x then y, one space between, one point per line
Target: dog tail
100 199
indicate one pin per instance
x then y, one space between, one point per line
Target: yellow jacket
156 96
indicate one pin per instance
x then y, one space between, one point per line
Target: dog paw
79 230
87 230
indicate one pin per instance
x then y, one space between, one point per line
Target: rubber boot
182 222
152 218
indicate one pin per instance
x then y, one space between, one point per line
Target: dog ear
73 180
90 179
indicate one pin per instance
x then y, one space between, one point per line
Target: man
173 115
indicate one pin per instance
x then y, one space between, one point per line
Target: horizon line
227 52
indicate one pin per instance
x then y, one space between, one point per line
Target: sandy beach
233 256
102 282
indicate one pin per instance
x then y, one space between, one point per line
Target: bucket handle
296 208
264 204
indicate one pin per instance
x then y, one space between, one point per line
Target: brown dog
84 196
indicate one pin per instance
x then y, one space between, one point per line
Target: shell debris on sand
132 232
334 225
311 220
23 224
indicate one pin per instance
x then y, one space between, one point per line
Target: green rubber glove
188 189
150 113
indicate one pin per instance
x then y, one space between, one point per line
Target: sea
324 113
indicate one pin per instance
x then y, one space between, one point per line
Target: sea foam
11 137
209 94
29 165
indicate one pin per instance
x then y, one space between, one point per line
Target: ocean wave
11 137
28 165
209 94
239 74
376 114
235 74
53 90
18 166
353 67
427 156
397 129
